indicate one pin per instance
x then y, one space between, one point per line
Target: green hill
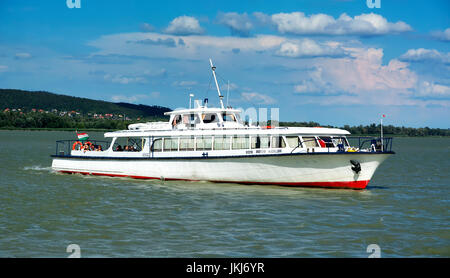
28 100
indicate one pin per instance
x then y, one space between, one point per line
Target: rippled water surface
404 210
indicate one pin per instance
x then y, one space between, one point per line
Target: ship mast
217 84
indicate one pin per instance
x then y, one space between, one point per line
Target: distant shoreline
110 130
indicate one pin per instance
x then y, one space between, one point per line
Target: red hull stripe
332 184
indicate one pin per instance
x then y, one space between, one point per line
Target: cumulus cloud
239 24
184 26
360 78
315 84
365 72
442 35
322 24
432 89
257 98
425 55
308 48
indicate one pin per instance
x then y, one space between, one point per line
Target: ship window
187 144
185 119
260 142
293 141
127 144
228 117
157 145
310 142
176 120
209 118
327 141
278 142
222 143
170 144
203 143
240 143
340 140
256 142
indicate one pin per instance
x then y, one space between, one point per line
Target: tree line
31 120
374 129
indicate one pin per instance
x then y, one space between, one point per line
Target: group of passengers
126 148
88 146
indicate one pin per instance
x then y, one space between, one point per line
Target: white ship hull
320 170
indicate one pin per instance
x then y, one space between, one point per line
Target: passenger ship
214 144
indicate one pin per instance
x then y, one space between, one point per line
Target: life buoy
74 146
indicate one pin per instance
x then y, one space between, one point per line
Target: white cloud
194 47
239 24
425 55
184 83
365 72
442 35
360 79
121 79
257 98
308 48
315 84
323 24
22 55
184 26
431 89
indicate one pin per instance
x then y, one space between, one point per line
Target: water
404 210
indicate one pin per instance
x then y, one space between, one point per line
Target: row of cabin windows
237 143
206 118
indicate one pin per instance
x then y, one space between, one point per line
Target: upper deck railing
374 144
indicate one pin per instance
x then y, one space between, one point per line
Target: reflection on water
404 210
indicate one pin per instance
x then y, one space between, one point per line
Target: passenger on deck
119 149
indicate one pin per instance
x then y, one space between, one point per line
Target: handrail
364 144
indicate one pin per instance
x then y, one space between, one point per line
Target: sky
335 62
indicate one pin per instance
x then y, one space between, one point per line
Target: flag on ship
82 136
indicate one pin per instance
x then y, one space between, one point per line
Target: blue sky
334 62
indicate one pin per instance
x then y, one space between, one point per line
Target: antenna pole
228 91
217 84
381 127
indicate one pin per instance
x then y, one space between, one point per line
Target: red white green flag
82 136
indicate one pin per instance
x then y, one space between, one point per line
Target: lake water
404 210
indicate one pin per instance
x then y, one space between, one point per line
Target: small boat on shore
214 144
